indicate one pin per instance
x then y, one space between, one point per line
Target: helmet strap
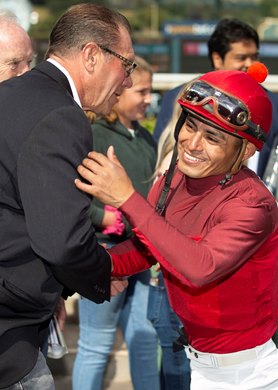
237 164
161 203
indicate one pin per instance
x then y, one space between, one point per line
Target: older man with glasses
48 245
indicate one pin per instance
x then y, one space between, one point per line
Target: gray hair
8 16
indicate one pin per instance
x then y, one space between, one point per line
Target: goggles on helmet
228 109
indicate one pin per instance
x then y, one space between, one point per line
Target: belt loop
214 361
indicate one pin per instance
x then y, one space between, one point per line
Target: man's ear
250 150
217 61
89 55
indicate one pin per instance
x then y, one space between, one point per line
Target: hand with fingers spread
108 179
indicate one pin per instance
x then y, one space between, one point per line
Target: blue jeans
98 325
175 367
38 378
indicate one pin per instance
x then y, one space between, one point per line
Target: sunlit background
170 34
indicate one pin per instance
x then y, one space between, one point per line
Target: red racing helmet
234 101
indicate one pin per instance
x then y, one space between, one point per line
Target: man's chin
104 108
189 172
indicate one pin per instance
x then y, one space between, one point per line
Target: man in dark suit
234 45
47 242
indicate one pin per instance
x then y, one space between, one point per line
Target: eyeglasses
228 109
129 65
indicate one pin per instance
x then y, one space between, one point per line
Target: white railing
165 81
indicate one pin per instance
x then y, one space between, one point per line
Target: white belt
225 359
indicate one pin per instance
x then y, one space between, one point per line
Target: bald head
16 52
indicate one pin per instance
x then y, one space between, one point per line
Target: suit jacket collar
52 71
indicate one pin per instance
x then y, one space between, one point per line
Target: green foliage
139 12
58 7
268 8
41 31
149 123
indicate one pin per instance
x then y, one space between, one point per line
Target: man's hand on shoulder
106 178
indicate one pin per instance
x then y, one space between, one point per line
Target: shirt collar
66 73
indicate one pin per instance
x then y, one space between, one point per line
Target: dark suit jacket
47 241
166 109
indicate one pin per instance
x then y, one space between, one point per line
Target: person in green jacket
136 151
